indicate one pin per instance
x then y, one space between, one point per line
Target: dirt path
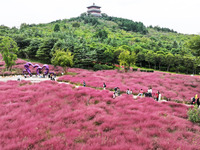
35 79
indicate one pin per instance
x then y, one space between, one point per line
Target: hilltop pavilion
94 10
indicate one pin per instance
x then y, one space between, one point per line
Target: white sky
182 16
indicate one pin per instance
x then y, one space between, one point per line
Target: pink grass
50 115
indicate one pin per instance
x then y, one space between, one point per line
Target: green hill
100 40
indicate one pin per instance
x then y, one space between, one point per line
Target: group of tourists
116 92
195 100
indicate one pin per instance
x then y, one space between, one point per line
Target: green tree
127 59
56 28
188 63
8 49
178 59
169 60
101 34
32 49
160 58
150 58
44 51
194 44
76 24
63 59
141 58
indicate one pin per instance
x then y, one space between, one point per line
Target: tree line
97 43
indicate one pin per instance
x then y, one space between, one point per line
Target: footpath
35 79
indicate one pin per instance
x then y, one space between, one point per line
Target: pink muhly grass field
51 115
173 87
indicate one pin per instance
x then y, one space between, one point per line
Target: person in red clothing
140 93
157 95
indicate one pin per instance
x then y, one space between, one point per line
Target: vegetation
194 114
47 115
8 49
95 41
127 59
63 59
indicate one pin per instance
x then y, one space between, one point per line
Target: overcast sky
182 16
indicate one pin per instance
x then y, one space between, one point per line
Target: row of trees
105 43
9 50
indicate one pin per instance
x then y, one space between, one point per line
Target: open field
50 115
173 87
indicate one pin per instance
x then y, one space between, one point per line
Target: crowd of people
157 95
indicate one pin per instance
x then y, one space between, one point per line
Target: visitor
131 92
114 95
115 89
149 92
197 99
193 100
118 91
140 93
84 84
127 91
18 78
104 86
198 102
157 95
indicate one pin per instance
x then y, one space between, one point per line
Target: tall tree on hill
194 45
127 59
44 51
169 60
8 49
149 57
63 59
56 28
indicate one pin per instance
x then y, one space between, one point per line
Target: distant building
94 10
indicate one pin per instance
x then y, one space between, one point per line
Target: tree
178 59
141 58
169 59
63 59
8 49
32 49
127 59
44 51
160 58
149 57
76 24
194 44
101 34
118 51
56 28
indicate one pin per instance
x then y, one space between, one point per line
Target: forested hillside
97 43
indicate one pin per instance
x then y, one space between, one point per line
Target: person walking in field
157 95
84 84
104 86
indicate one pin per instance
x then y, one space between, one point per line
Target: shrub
102 67
194 114
135 69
